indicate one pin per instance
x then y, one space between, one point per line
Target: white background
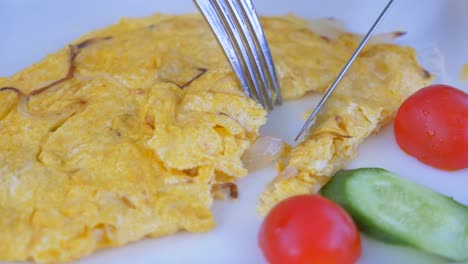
30 29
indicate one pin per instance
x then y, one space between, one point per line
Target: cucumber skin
337 191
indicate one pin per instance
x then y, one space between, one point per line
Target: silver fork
238 30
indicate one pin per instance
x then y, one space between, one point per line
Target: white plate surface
437 28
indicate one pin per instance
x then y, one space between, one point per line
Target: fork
238 30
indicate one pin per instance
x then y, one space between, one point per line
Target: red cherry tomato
309 229
432 126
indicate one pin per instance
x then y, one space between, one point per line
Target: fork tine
249 10
209 12
234 31
253 50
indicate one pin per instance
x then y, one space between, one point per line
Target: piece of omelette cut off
380 79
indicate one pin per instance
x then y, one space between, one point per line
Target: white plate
31 29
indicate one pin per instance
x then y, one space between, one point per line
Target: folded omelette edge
380 79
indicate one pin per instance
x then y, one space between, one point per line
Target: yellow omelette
130 130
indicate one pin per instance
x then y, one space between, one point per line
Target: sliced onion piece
264 151
332 28
70 109
329 28
433 59
288 172
230 186
385 38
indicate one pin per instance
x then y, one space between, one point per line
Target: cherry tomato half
432 126
309 229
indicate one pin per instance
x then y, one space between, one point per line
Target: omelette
464 73
379 80
126 134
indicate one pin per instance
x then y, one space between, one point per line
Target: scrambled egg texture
125 133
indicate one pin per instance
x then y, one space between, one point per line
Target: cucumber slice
396 210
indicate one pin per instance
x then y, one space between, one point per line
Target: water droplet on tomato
431 132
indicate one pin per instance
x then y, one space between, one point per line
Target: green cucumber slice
399 211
